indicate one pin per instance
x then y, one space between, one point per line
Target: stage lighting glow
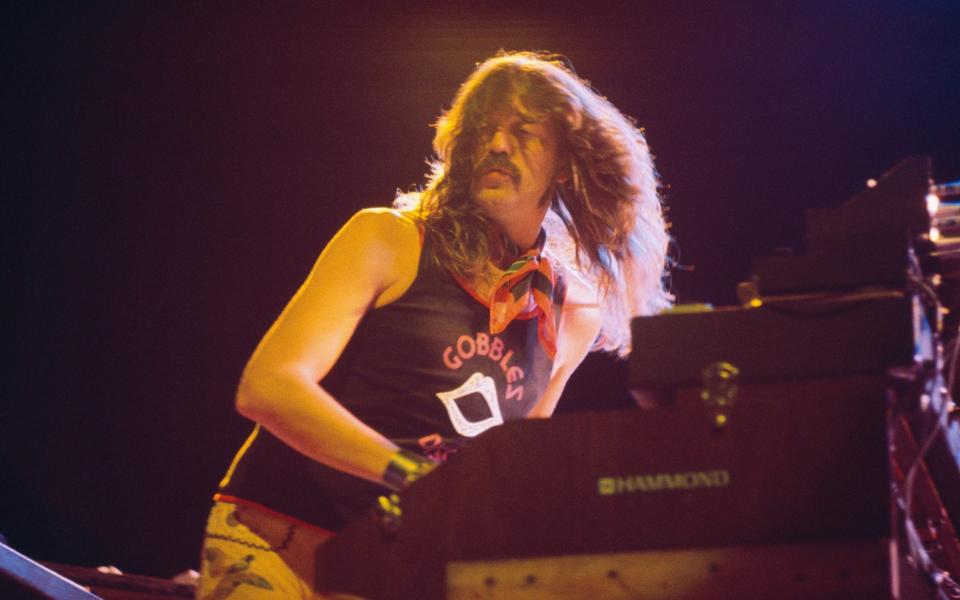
933 204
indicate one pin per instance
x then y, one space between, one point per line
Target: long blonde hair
609 206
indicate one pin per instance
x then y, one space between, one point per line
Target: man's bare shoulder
385 243
378 223
379 235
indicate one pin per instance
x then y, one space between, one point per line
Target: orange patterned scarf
529 280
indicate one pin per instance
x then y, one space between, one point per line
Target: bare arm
579 326
370 262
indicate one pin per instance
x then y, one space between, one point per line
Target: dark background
172 170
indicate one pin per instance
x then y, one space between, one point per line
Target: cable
947 587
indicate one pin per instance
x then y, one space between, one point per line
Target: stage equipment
879 333
899 236
789 497
22 578
805 445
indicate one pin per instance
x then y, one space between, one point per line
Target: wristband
404 468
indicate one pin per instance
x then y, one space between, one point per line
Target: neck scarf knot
528 283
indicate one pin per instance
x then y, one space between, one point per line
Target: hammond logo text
657 482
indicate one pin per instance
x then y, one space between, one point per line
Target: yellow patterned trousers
252 554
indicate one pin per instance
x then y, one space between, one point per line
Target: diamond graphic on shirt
485 387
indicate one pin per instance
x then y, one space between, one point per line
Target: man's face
515 164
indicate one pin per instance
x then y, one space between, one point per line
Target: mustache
499 162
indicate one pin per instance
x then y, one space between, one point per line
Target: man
420 327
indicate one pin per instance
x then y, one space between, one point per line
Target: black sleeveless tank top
424 371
